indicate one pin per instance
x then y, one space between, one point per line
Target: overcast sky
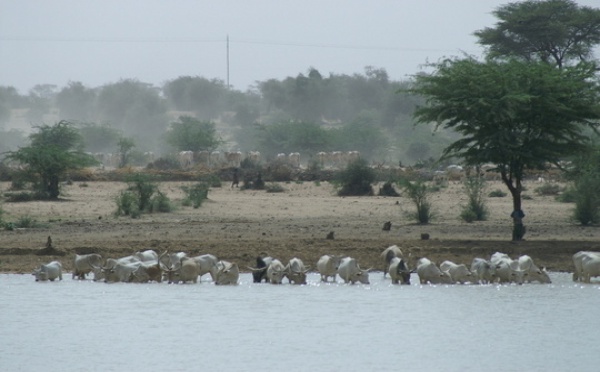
102 41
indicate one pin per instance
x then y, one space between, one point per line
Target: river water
87 326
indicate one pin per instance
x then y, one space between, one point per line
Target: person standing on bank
236 178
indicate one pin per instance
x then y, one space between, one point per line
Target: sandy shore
238 225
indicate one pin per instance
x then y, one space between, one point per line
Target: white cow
294 159
349 271
578 262
227 273
276 272
328 266
535 273
428 272
147 255
187 270
186 159
590 267
296 271
49 271
121 272
458 272
207 265
399 272
147 271
82 264
483 270
508 270
387 255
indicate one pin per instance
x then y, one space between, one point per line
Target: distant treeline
364 112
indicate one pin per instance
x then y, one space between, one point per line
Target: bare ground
238 225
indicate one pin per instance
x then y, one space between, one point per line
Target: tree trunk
517 214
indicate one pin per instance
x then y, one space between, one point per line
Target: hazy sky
102 41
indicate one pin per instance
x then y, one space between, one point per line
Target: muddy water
87 326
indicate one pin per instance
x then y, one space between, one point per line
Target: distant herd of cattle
218 159
149 266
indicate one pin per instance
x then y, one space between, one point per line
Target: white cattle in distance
121 272
294 159
483 270
108 272
203 158
428 272
350 272
254 157
459 273
207 264
233 158
535 273
328 266
49 271
227 273
186 159
399 272
387 255
215 159
82 264
275 272
147 255
508 270
296 271
578 262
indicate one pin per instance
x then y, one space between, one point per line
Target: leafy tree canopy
516 115
191 134
54 151
552 31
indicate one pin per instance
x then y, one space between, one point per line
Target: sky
98 42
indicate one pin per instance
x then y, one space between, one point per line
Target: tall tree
76 102
516 115
54 151
552 31
191 134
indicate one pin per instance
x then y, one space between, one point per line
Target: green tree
516 115
99 137
76 102
125 146
54 151
191 134
552 31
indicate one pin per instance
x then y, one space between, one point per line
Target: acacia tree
552 31
516 115
54 151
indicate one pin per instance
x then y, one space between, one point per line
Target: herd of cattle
148 266
219 159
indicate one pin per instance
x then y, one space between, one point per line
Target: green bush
569 195
419 193
547 189
388 190
587 199
475 210
356 179
16 197
128 204
497 194
160 203
195 195
274 187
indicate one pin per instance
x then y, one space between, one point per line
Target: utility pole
227 62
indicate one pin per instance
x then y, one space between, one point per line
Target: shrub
418 193
497 194
475 210
547 189
16 197
274 187
388 190
587 199
356 179
127 205
569 195
160 203
195 195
